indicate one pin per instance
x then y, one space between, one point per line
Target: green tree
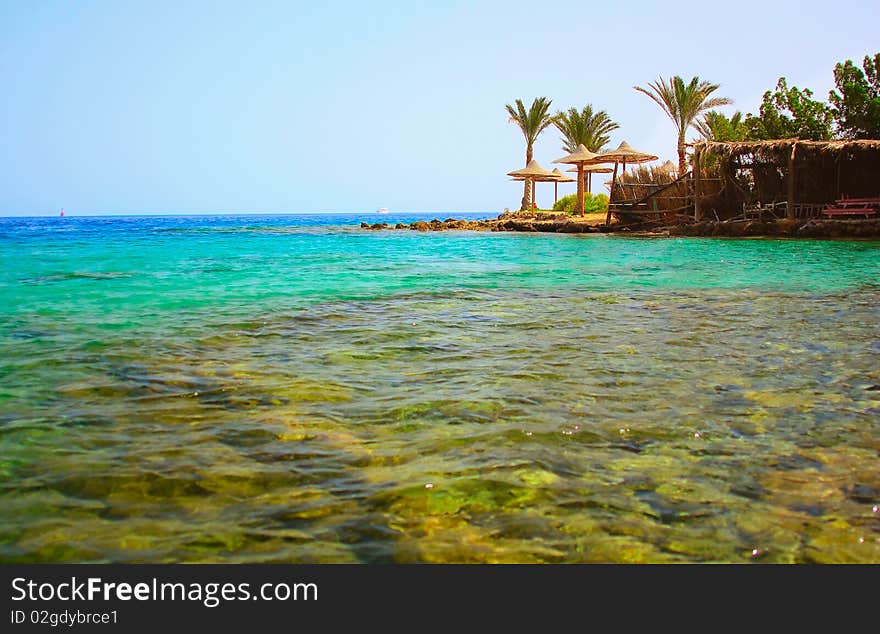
856 107
532 122
683 103
584 127
716 126
788 113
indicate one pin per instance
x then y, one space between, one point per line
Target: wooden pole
555 192
837 187
697 183
611 197
534 202
789 211
580 192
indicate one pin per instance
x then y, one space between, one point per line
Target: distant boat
382 210
62 212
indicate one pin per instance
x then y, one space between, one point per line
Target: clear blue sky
203 107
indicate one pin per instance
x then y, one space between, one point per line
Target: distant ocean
294 388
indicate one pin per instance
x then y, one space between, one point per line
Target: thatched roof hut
799 175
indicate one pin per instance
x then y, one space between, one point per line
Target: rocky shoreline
814 228
508 221
562 223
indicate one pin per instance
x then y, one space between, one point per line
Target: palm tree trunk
682 158
527 188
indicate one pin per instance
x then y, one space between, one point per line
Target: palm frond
683 103
532 121
715 126
584 127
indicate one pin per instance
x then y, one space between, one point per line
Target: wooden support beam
580 189
697 187
837 186
611 197
789 212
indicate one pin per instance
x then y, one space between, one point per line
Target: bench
867 212
858 201
866 207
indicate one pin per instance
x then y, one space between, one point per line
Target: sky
191 107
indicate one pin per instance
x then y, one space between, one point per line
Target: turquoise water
294 388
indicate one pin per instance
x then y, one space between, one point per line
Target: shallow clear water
266 389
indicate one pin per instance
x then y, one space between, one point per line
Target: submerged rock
815 228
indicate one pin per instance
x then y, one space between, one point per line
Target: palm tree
715 126
683 103
532 123
584 127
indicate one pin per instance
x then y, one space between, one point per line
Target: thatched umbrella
579 158
626 155
553 178
623 154
669 167
589 170
532 172
560 178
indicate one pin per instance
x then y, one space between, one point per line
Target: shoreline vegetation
812 163
558 222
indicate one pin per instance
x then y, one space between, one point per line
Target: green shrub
593 203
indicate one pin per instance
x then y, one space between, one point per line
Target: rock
576 227
548 227
525 221
862 493
788 227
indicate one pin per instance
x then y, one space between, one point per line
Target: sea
293 388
